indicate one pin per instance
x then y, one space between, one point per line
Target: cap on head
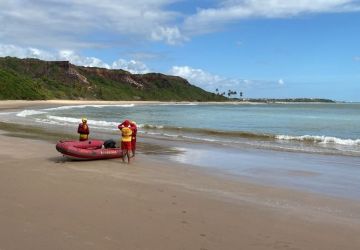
84 119
126 123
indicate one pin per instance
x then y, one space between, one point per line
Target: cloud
211 81
12 50
170 35
357 58
211 19
136 67
77 59
76 23
198 77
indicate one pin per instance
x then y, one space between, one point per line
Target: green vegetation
33 79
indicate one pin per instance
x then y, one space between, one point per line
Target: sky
263 48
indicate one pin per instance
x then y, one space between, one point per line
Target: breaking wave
321 139
77 120
93 106
28 112
260 136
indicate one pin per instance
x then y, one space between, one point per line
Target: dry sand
47 202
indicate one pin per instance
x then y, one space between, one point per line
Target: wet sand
50 203
47 202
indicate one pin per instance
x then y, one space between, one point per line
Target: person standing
126 136
133 127
83 130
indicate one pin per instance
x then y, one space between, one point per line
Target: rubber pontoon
87 150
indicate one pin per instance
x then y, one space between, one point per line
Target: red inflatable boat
87 150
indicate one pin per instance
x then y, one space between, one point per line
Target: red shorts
126 145
133 144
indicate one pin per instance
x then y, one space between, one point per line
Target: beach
48 202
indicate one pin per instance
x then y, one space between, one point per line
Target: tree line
230 93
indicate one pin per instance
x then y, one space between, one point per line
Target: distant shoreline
14 104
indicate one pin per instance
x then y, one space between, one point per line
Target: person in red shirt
83 130
126 135
133 127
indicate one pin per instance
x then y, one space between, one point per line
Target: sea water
317 128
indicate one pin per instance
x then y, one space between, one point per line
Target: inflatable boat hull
87 150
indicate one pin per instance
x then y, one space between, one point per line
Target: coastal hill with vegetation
34 79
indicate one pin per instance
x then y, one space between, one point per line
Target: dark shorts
126 145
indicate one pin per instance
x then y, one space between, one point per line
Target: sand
47 202
18 104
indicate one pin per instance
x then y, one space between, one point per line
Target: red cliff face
120 76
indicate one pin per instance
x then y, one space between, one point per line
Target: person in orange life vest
126 134
83 130
133 127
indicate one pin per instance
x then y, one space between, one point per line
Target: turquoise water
324 128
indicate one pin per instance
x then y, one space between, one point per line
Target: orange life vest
126 134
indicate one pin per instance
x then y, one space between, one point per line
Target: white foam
93 106
321 139
150 126
28 112
46 121
178 104
77 120
6 113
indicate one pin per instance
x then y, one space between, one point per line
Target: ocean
311 128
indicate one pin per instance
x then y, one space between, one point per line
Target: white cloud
210 19
77 59
135 67
198 77
16 51
211 81
70 23
92 23
170 35
357 58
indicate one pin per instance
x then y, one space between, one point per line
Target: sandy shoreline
17 104
47 202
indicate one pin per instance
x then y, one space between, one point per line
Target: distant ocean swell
260 136
199 133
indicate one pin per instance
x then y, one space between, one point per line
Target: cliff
33 79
